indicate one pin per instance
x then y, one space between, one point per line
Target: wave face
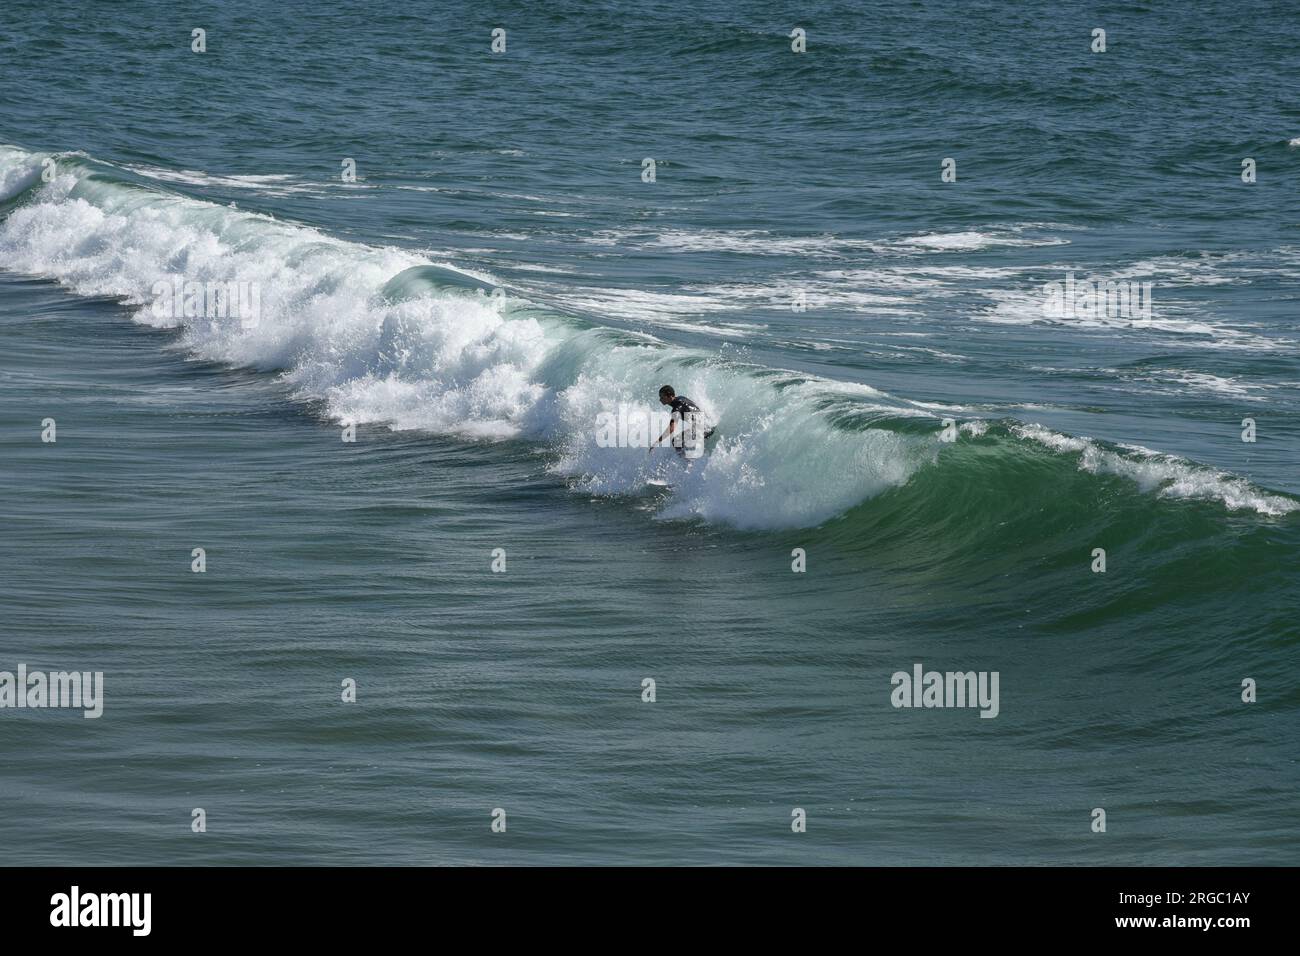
385 336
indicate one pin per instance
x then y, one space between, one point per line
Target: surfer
690 415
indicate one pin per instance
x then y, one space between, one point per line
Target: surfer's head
666 395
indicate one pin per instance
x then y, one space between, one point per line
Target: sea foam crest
381 335
451 360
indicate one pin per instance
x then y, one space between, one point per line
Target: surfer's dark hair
666 390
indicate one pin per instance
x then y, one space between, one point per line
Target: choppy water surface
799 268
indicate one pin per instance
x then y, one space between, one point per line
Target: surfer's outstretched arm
672 425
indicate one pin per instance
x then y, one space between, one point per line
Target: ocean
315 319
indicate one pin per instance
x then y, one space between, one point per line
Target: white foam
19 170
745 241
1173 318
1167 475
451 362
945 241
793 450
1217 384
269 183
770 468
640 303
765 243
1184 271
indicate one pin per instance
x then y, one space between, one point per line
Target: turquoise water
778 175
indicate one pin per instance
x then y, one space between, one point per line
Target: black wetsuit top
691 416
683 406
